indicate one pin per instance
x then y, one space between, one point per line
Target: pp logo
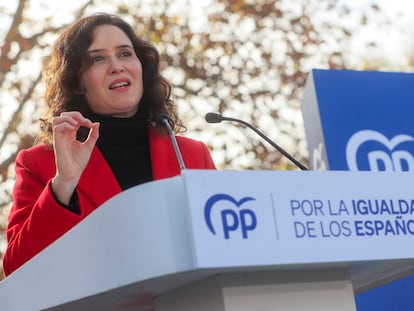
234 216
391 160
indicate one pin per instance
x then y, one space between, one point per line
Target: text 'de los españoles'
313 218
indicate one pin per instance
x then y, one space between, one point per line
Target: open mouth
119 85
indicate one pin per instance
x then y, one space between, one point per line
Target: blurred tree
242 58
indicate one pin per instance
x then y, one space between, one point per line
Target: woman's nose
116 66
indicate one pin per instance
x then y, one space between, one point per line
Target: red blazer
36 220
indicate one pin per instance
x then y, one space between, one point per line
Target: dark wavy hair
69 59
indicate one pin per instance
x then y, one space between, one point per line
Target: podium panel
293 290
267 233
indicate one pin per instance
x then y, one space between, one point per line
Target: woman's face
113 83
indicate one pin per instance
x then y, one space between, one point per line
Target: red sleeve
36 219
195 153
208 160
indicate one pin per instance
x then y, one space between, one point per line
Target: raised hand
71 155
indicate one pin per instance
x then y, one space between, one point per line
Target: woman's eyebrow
121 46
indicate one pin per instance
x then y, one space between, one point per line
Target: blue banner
363 121
359 120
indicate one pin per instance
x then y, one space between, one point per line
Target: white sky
394 42
392 7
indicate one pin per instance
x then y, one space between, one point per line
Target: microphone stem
277 147
175 144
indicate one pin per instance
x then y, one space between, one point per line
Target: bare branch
12 35
12 126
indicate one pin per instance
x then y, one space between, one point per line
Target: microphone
212 117
164 120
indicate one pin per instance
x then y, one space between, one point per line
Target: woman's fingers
93 134
74 118
68 124
71 154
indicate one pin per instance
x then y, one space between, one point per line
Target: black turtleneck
124 144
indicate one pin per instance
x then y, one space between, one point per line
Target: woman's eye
126 53
96 58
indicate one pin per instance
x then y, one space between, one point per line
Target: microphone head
212 117
161 118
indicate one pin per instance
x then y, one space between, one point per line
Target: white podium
228 240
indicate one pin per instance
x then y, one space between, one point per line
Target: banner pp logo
392 159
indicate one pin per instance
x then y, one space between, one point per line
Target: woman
99 136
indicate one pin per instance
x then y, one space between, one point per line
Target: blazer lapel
98 182
163 159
